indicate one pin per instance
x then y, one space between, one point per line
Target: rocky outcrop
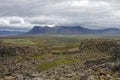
106 46
103 45
12 50
74 71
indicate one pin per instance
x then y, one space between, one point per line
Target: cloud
14 23
24 14
16 20
46 20
4 21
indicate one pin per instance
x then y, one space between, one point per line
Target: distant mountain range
63 30
7 32
71 30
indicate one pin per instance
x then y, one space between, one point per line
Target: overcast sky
24 14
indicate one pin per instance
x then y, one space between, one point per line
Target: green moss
18 41
47 65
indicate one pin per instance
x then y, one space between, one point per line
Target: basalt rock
12 50
103 45
107 46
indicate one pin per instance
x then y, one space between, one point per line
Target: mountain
8 32
71 30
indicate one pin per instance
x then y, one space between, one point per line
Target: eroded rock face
108 46
17 58
12 50
103 45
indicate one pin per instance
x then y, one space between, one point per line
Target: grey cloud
88 13
15 22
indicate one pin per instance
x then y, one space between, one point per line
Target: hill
71 30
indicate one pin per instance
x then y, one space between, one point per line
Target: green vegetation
54 50
19 41
47 65
27 55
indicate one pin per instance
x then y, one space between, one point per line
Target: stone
9 78
35 74
92 77
37 78
19 77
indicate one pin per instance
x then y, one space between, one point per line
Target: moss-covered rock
103 45
12 50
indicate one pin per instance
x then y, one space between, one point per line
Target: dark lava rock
13 50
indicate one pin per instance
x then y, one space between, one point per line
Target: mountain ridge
71 30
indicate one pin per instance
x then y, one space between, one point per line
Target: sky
94 14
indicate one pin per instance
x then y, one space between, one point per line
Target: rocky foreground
91 70
77 71
107 68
